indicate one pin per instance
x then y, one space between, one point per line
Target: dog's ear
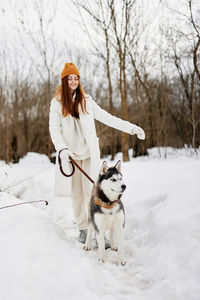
118 166
104 168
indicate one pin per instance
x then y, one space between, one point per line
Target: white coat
61 134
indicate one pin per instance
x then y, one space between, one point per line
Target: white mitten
139 132
65 153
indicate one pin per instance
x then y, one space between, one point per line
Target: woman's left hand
138 131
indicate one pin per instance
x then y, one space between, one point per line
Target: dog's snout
123 187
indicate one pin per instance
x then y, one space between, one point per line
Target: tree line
152 83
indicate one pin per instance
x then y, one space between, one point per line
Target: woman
72 128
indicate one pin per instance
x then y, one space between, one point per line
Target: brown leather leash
97 201
73 164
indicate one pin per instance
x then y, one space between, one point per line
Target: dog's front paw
102 259
122 262
86 247
114 249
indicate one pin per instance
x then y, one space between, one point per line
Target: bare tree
121 35
184 46
43 42
102 18
4 109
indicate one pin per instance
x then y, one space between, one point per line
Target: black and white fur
109 189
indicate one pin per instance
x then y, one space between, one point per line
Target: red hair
70 107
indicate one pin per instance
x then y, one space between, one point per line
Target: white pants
81 193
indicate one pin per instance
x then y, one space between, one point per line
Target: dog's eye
113 179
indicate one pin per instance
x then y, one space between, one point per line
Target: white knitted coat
61 134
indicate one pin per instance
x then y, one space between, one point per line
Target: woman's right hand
65 153
138 131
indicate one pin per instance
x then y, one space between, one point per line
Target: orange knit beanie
69 68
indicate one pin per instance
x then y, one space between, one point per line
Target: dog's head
110 181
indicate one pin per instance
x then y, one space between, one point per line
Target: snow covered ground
41 259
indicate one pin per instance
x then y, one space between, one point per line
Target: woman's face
73 82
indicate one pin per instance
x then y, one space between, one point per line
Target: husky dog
106 211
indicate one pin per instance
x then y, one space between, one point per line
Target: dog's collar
98 202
